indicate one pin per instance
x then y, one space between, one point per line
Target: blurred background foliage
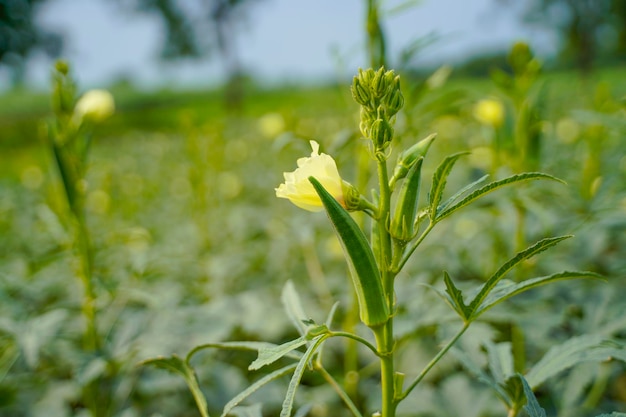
191 246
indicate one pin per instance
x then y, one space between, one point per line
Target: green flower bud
381 133
395 101
359 93
408 158
352 197
401 227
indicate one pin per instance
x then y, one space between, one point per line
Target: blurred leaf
249 411
293 307
613 414
500 360
489 188
268 355
572 352
39 332
440 178
532 407
255 386
373 308
177 365
518 258
297 376
505 290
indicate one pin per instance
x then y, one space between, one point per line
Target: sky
283 40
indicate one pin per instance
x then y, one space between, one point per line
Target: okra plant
399 225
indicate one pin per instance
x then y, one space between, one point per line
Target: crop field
188 245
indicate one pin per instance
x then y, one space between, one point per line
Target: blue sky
283 40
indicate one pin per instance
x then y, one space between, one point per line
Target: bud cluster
378 93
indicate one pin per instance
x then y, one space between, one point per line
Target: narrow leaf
256 346
440 178
176 365
532 406
364 270
494 186
297 376
504 291
455 297
270 355
460 193
588 348
507 266
255 386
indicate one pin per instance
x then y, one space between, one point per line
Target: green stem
355 338
433 362
414 246
375 36
384 334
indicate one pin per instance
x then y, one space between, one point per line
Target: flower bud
395 101
381 133
408 158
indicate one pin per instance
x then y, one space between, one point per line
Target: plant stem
434 361
384 334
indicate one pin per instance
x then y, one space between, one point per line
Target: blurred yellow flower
298 189
95 106
489 112
271 125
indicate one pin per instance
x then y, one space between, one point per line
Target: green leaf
271 354
491 187
613 414
505 290
297 376
176 365
507 266
588 348
460 193
256 346
440 178
532 406
254 410
364 270
255 386
500 360
455 297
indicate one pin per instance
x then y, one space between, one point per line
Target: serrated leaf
504 291
527 176
440 178
271 354
455 297
460 193
365 275
588 348
507 266
255 386
532 406
177 365
293 307
297 376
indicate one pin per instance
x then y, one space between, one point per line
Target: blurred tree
196 28
588 28
20 35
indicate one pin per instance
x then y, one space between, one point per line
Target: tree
19 36
196 28
582 25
